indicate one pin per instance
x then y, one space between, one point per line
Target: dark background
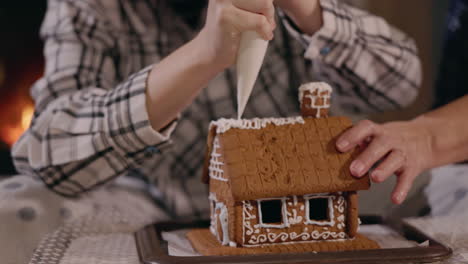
21 63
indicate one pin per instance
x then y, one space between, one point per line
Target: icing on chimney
315 99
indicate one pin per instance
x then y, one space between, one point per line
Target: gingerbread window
319 210
272 213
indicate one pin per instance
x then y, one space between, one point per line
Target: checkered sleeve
88 128
372 66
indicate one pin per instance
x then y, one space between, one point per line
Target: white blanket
38 226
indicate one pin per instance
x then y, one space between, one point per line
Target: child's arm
94 120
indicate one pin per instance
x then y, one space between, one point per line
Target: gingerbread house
280 180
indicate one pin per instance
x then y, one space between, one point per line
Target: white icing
246 217
312 87
341 204
219 213
213 218
214 170
300 242
318 87
340 208
223 125
284 213
212 197
285 237
293 216
232 244
223 218
252 50
223 221
331 211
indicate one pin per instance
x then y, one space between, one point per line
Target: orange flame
16 104
12 133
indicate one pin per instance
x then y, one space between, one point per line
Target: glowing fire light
16 105
11 133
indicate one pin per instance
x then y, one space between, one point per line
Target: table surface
450 230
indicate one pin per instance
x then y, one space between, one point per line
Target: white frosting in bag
249 61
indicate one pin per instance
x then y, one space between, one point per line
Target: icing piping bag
250 57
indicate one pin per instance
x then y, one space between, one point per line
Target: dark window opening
213 205
271 211
318 209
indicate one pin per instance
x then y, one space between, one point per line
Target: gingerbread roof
269 158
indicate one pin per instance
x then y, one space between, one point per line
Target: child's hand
226 20
402 148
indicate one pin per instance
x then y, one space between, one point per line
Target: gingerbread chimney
315 99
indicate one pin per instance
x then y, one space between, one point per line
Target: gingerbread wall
220 195
297 230
223 217
220 186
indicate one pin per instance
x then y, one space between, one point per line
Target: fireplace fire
16 106
21 64
19 118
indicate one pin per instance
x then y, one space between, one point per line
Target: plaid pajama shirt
91 125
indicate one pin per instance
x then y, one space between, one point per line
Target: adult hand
400 148
306 14
219 39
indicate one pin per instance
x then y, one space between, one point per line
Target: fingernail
342 144
399 197
357 168
376 175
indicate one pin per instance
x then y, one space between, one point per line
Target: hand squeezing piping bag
249 61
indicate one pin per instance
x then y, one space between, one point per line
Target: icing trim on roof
223 125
